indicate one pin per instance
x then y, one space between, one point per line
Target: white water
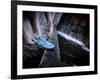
66 36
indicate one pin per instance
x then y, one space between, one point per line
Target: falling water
69 38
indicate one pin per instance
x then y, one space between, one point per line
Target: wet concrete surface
71 54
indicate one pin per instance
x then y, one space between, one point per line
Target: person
44 36
33 31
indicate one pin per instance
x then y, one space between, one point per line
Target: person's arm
49 22
27 31
33 21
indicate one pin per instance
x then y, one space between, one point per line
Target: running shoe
42 42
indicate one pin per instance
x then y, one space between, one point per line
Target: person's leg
53 35
51 56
